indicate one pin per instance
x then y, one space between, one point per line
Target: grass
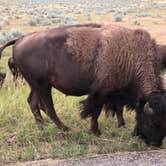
21 139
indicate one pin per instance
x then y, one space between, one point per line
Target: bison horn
147 109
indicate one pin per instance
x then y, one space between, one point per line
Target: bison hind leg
33 101
46 104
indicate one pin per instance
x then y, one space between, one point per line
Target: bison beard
102 61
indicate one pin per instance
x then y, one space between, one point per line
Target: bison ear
148 110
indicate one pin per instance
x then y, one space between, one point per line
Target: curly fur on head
157 101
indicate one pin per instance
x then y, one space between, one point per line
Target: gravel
148 158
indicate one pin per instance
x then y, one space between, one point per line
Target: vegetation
21 138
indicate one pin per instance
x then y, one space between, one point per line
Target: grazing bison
105 62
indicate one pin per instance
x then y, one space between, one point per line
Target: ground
151 158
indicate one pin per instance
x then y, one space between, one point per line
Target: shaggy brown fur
128 52
111 110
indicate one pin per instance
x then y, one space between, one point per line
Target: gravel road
150 158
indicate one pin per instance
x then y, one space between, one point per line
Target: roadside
146 158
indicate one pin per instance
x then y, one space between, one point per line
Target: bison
106 62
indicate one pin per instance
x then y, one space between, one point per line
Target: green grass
21 139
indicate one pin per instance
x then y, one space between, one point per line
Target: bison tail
6 45
3 75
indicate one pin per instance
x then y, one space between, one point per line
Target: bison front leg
33 101
139 110
92 107
94 123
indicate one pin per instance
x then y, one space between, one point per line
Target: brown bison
105 62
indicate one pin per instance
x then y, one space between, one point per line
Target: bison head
151 119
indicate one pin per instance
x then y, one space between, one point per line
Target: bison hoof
40 121
96 132
84 114
65 128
